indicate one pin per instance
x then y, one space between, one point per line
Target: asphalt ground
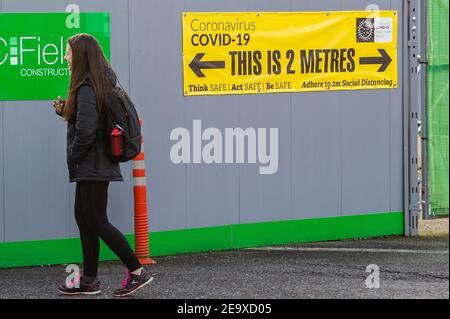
414 267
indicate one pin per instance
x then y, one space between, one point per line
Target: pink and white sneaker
132 283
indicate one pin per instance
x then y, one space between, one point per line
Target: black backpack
121 113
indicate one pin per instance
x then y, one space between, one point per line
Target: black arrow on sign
196 65
384 60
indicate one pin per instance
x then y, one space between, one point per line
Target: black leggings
91 200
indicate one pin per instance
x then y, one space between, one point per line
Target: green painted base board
63 251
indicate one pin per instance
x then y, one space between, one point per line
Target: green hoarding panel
438 105
58 251
32 49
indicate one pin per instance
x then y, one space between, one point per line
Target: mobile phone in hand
58 104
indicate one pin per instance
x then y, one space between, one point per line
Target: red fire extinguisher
117 141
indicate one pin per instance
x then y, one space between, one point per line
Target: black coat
87 157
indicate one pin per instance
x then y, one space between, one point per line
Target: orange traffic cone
140 208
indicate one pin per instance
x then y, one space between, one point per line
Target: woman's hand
58 105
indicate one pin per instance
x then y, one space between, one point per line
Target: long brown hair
88 62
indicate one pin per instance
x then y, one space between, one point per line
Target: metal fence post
414 100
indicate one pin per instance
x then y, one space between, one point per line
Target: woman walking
92 80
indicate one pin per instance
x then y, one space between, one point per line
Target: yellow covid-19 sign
268 52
